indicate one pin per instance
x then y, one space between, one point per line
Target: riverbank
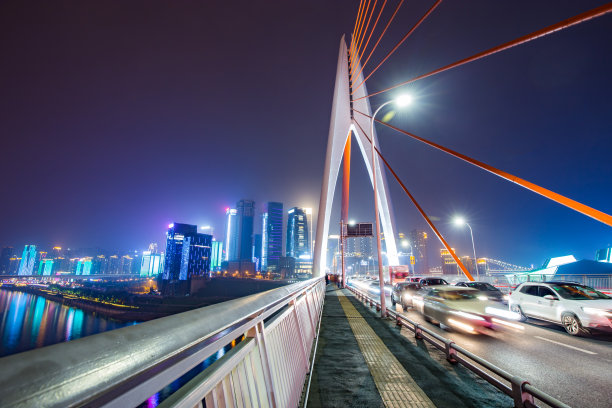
149 307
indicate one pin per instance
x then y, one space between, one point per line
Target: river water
29 321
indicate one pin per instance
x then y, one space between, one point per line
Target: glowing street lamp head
459 221
351 222
405 243
403 100
171 225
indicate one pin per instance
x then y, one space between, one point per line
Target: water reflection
29 321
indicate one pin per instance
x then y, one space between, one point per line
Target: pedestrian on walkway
326 279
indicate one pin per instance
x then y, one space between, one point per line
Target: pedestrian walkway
364 361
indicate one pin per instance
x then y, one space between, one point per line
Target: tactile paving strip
396 387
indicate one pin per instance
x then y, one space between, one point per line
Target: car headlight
482 297
502 313
598 312
467 315
506 297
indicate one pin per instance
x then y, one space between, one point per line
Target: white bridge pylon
342 125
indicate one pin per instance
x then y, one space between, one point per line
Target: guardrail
523 393
124 367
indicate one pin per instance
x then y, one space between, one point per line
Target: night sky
118 117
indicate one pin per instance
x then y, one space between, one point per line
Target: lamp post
405 244
401 101
460 221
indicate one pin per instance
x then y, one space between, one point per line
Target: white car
576 307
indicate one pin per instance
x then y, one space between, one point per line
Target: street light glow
459 221
352 222
206 227
405 243
403 100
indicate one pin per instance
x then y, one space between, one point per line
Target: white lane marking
565 345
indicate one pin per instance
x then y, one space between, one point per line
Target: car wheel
517 309
572 324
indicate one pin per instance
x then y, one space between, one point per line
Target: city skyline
101 136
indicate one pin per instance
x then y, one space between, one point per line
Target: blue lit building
257 242
272 236
28 260
231 234
188 255
298 239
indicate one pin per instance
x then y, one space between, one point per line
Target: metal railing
124 367
523 393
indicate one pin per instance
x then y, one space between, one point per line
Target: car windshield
455 294
436 282
578 292
481 285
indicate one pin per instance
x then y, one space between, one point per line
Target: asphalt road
575 370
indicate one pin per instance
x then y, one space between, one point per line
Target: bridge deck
363 361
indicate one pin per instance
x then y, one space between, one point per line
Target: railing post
522 399
258 332
418 333
450 352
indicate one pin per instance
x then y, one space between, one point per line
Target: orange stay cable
371 32
361 2
408 34
365 30
380 38
420 209
558 198
580 18
360 27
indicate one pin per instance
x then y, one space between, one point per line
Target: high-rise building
175 238
449 266
418 241
5 259
195 260
231 234
245 212
272 236
188 255
217 255
298 237
28 260
256 257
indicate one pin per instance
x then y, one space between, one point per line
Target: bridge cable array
568 202
352 70
355 29
353 63
418 207
580 18
379 38
404 38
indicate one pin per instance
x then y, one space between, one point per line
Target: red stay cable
371 32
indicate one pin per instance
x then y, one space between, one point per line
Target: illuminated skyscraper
245 211
151 264
217 255
298 236
231 234
256 257
272 236
418 240
28 260
188 255
449 266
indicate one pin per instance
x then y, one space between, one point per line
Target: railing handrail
136 360
520 390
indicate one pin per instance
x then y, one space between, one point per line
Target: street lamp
460 222
401 101
406 244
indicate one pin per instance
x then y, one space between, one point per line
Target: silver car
576 307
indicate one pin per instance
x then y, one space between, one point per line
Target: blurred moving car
402 293
485 289
456 307
576 307
432 281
